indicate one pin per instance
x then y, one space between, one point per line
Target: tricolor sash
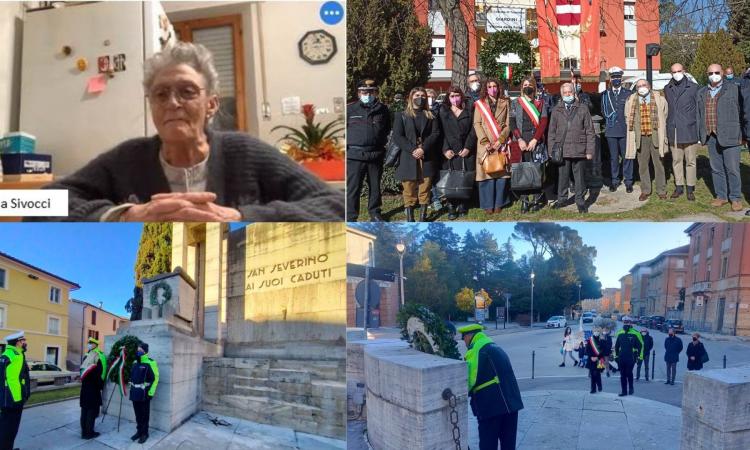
530 109
119 366
489 119
89 364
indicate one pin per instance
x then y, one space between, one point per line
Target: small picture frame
119 62
102 64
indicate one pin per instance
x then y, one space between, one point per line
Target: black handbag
456 184
556 153
527 176
392 150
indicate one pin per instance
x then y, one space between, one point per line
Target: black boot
691 193
409 213
452 213
135 436
423 213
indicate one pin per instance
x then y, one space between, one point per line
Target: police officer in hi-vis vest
93 378
143 381
493 390
15 388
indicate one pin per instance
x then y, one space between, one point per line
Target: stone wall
405 409
716 409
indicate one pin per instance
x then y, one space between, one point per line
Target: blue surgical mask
365 99
617 82
568 99
730 76
139 353
90 347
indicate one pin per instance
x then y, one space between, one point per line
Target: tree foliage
501 43
739 26
154 251
385 41
716 48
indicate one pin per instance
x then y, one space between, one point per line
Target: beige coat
502 115
634 133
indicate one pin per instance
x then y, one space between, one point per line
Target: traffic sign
359 294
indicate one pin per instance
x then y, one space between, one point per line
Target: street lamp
401 249
579 298
531 322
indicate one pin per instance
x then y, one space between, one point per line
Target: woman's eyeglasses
184 93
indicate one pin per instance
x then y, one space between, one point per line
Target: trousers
142 413
626 375
10 420
502 429
88 418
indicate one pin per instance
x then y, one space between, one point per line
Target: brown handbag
494 162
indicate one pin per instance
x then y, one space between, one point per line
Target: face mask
678 76
474 86
626 327
139 353
643 333
365 99
578 88
714 78
529 91
730 76
492 91
616 82
695 339
90 347
596 334
23 347
643 91
568 98
671 334
418 102
456 101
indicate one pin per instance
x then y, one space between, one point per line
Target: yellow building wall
28 308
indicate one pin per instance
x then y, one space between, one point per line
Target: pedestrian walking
582 358
682 130
596 361
93 378
493 390
571 127
628 349
615 130
144 378
647 137
367 126
672 349
15 388
416 131
696 353
568 346
722 125
648 345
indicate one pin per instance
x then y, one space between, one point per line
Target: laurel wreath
155 292
434 326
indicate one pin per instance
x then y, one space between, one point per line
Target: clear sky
619 245
97 256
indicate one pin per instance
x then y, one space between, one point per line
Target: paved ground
56 426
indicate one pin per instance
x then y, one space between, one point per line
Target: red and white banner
568 12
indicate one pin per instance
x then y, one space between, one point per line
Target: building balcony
701 287
726 244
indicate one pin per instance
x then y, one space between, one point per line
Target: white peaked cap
614 69
14 336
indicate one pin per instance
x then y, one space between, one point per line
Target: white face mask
474 86
643 91
90 347
714 78
678 76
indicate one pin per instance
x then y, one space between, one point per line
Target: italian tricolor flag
119 367
507 72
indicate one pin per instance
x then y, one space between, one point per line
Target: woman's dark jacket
696 350
458 134
405 134
244 173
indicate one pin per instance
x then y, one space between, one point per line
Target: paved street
56 426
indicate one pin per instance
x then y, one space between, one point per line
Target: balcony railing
703 286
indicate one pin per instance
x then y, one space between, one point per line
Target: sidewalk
57 426
583 421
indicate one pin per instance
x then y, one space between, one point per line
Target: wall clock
317 47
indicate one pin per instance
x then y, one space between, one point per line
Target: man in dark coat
648 345
367 126
672 349
493 390
474 87
15 388
93 375
627 351
613 109
682 130
144 377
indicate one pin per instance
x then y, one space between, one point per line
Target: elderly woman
188 172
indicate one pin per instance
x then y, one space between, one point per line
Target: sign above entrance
506 19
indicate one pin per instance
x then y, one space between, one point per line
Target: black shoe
583 209
607 374
558 204
691 193
409 210
672 383
638 379
376 217
630 392
593 391
667 382
423 213
143 439
646 378
622 394
524 207
613 188
575 362
135 436
629 189
561 365
600 389
452 213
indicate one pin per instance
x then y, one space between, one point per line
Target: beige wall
273 68
358 247
11 32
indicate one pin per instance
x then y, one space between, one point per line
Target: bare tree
454 18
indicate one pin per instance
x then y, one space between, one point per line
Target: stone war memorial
250 323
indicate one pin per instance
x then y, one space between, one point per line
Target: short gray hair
194 55
568 85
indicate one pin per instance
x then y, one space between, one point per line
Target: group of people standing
461 132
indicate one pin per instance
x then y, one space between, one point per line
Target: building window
724 264
569 64
438 51
53 325
708 270
629 11
52 355
630 50
711 233
727 230
680 264
698 244
3 319
3 278
94 334
93 317
54 295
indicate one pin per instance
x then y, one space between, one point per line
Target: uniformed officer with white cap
15 388
615 129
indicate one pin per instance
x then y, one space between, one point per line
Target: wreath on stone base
426 331
155 292
131 347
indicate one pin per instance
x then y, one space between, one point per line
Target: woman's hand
522 145
181 207
449 154
418 153
692 358
464 153
532 145
589 157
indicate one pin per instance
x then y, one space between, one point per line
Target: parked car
557 322
588 317
44 372
655 322
643 320
673 323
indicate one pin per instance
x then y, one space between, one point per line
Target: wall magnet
102 63
82 64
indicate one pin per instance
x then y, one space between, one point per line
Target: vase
326 170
